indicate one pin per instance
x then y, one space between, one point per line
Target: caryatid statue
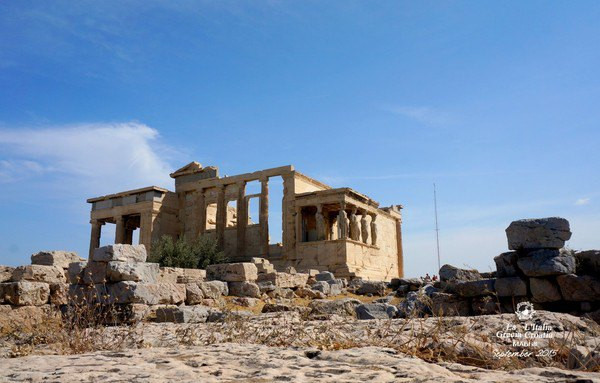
354 226
364 227
343 222
373 230
320 222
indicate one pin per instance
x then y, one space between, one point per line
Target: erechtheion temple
323 228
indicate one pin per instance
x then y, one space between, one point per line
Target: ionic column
374 230
95 236
221 216
299 226
264 216
201 212
400 250
242 219
146 229
120 231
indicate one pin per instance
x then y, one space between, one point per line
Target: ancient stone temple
323 228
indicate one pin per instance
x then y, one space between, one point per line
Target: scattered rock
449 273
147 293
121 253
544 290
187 314
579 288
506 264
485 306
245 301
538 233
511 287
244 289
233 272
375 311
279 292
26 293
305 292
284 280
325 276
6 273
58 258
342 307
475 288
371 287
546 262
137 272
588 262
199 291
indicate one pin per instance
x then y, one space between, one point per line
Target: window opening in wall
231 214
211 216
253 210
275 209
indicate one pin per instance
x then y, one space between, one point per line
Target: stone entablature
312 212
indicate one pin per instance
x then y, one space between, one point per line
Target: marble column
120 230
242 219
320 223
201 212
95 236
147 220
342 221
299 225
354 225
221 216
364 227
374 230
264 217
400 250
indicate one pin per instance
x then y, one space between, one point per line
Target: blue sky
497 103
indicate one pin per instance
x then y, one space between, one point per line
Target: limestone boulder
147 293
511 287
120 253
413 284
588 262
305 292
6 273
138 272
26 293
444 304
169 274
321 286
375 311
325 276
371 287
75 272
546 262
244 289
263 265
245 301
197 292
233 272
415 305
191 276
449 273
39 273
579 288
544 290
279 292
538 233
506 264
284 280
95 272
342 307
89 294
475 288
188 314
58 258
59 294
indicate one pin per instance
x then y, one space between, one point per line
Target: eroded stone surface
546 262
39 273
26 293
538 233
58 258
510 287
233 272
137 272
120 253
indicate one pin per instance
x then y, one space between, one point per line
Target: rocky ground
288 347
229 362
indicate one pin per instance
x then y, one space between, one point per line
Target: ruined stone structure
339 230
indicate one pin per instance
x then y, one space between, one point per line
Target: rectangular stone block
94 273
232 272
58 258
39 273
192 275
284 280
59 294
197 292
88 294
137 272
120 253
544 290
579 288
183 314
511 287
26 293
147 293
6 273
169 274
75 272
475 288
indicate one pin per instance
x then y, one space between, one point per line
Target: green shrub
195 254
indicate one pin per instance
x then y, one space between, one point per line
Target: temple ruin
323 228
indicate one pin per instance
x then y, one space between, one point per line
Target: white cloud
423 114
582 201
100 158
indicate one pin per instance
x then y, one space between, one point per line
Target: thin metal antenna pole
437 229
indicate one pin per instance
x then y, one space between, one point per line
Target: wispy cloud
103 157
582 201
422 114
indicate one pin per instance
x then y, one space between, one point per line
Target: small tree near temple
196 254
